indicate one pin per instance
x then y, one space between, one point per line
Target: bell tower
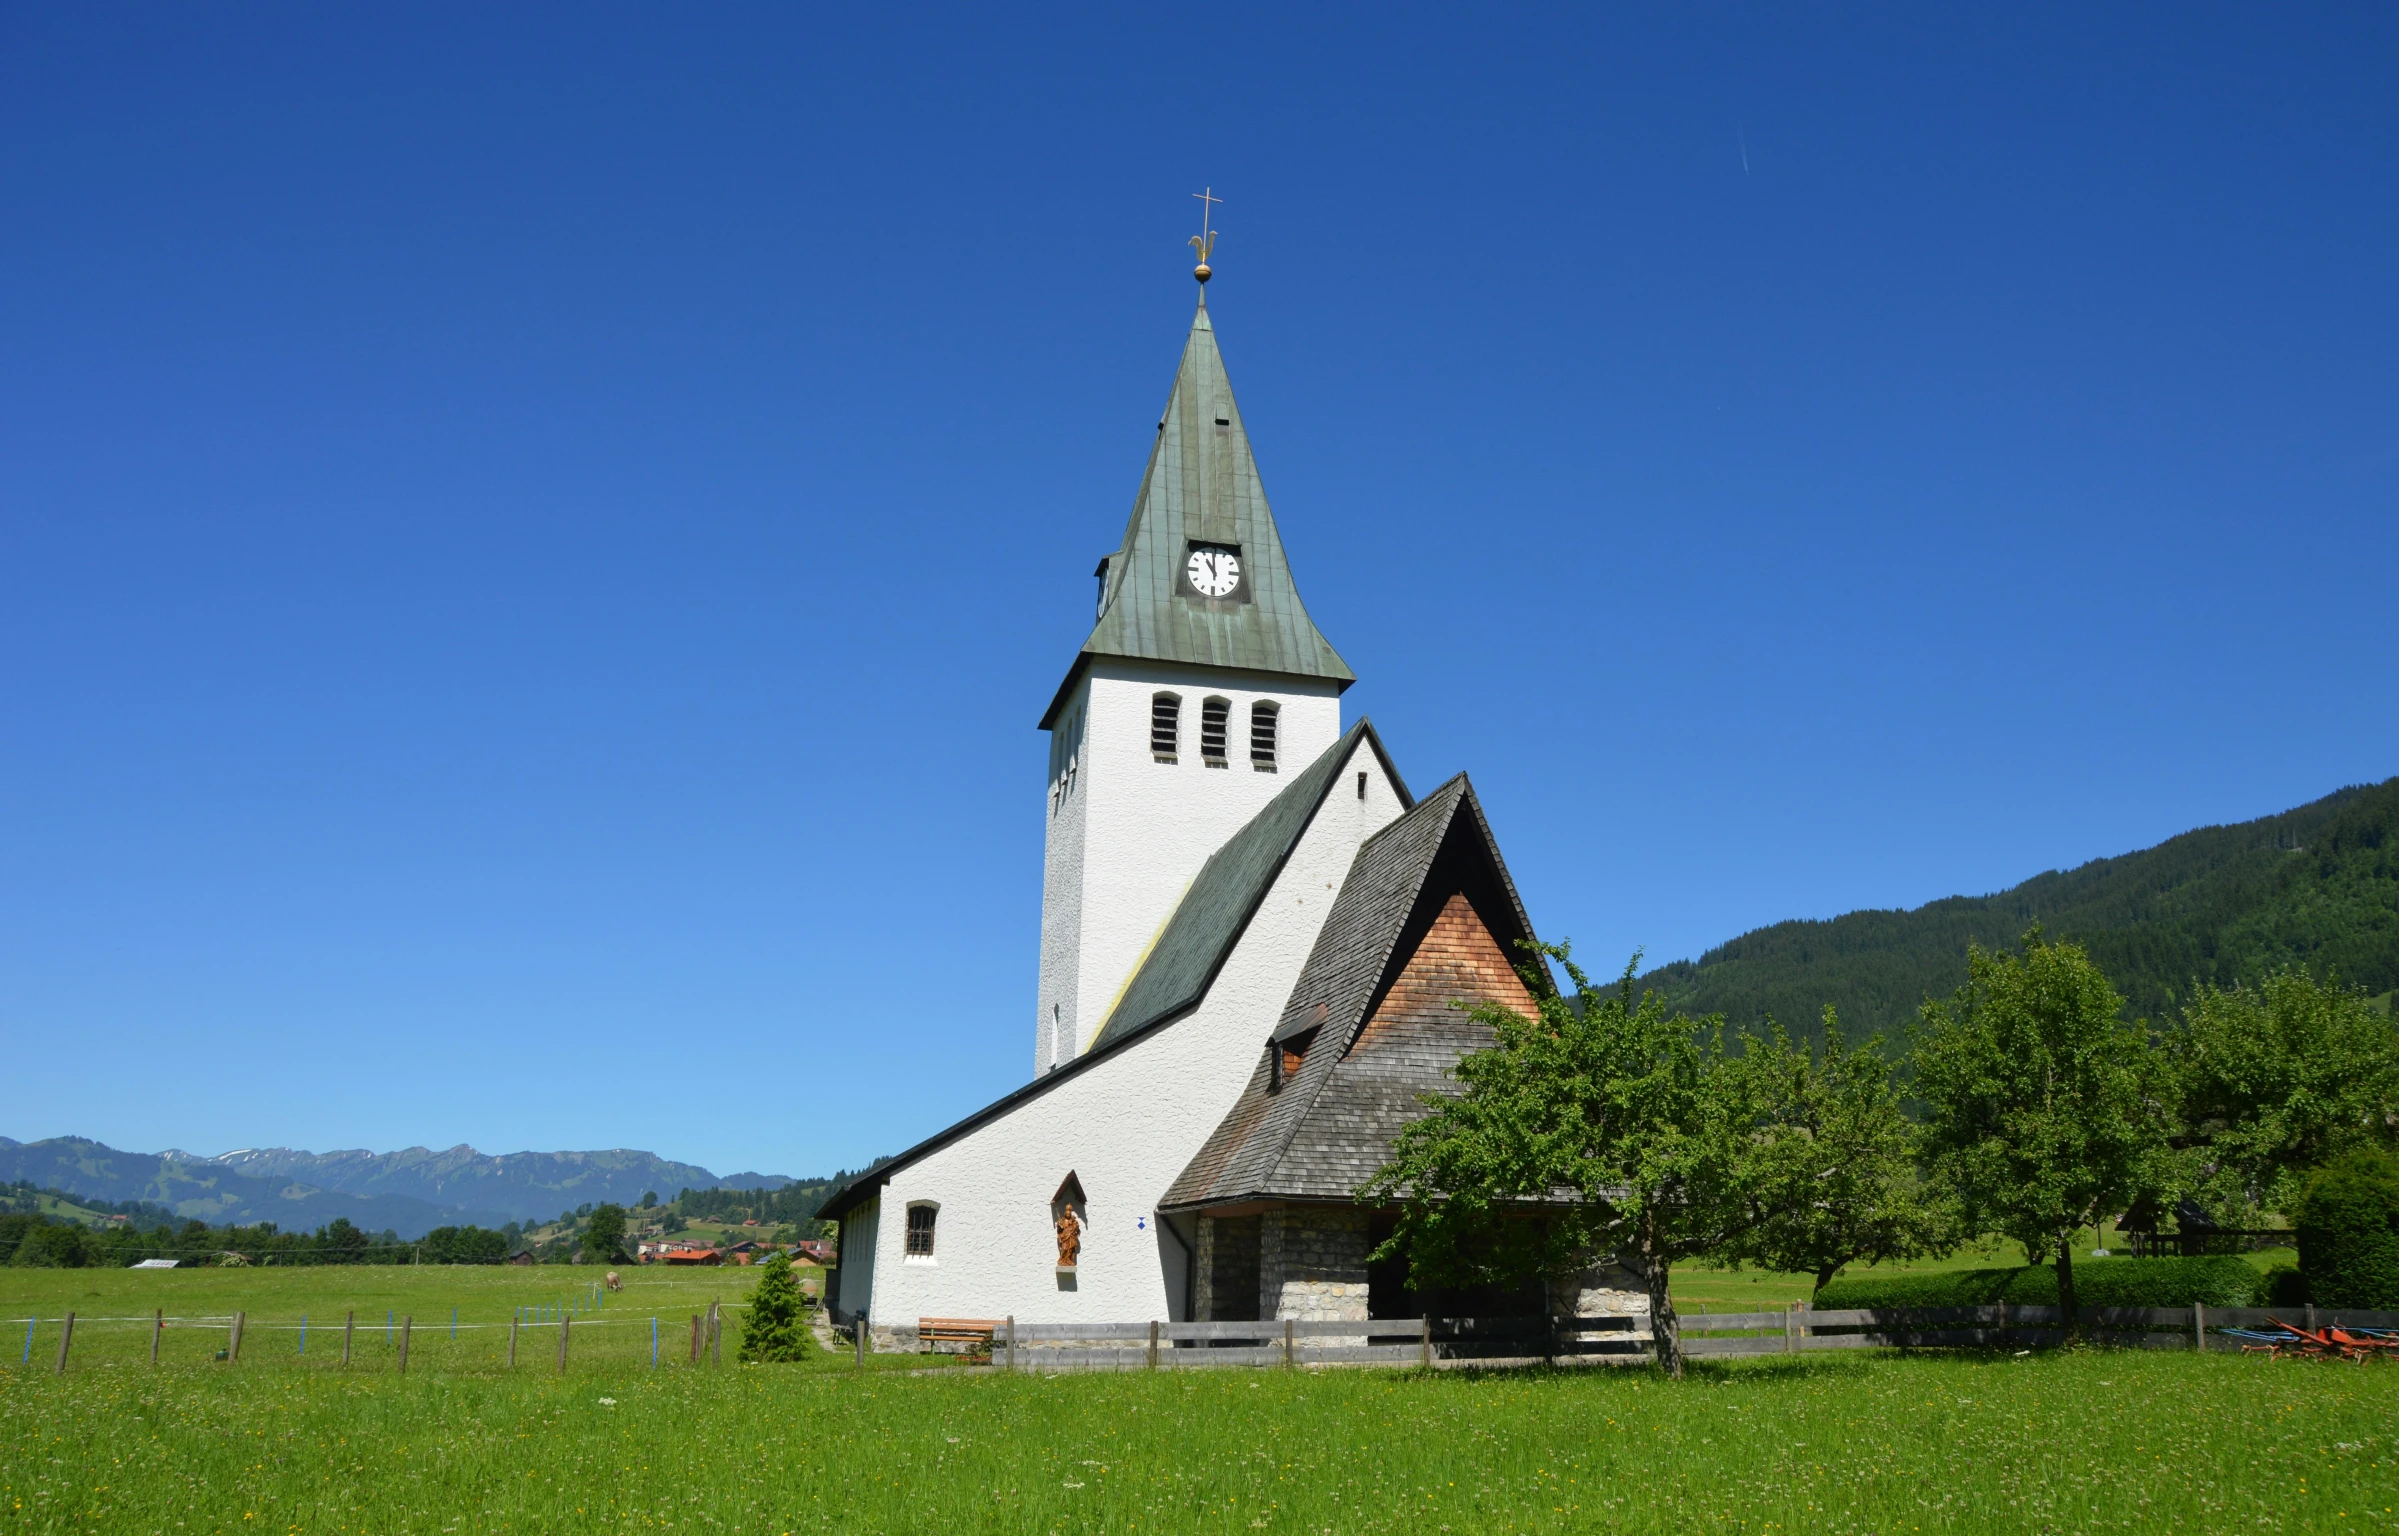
1204 684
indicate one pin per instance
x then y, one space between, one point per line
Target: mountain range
409 1192
2316 887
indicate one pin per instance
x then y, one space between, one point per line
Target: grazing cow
614 1283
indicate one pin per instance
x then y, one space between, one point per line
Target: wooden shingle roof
1433 875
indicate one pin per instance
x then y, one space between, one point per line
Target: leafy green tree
1602 1125
53 1245
774 1328
604 1239
1833 1176
649 1199
2046 1111
2349 1230
2275 1080
341 1242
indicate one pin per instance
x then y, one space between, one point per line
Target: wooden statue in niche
1067 1214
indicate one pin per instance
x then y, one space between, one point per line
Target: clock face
1213 572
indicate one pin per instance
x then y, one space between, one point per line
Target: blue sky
532 542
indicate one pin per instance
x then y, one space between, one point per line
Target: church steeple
1200 496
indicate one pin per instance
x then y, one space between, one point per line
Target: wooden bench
977 1332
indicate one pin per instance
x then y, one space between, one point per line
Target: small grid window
1262 718
920 1231
1214 713
1166 725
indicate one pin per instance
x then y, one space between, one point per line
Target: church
1253 933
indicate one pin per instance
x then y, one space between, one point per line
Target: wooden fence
1446 1342
1995 1327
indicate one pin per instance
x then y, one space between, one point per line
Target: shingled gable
1201 486
1210 918
1434 879
1190 950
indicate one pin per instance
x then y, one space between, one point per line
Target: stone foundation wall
1312 1264
1606 1289
1226 1269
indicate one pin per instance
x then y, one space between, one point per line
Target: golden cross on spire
1205 241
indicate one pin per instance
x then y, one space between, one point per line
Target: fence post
349 1322
716 1334
857 1338
27 1358
1012 1341
2199 1326
512 1326
1425 1356
2311 1317
1153 1360
564 1323
1287 1343
406 1323
653 1343
233 1346
66 1336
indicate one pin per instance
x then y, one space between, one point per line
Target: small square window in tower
1166 725
1214 714
920 1231
1262 718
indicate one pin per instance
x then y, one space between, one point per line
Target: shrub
2220 1281
772 1329
2349 1231
2286 1287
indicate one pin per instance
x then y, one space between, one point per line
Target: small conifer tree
772 1329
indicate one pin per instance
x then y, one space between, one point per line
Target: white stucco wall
860 1230
1127 833
1126 1126
1062 887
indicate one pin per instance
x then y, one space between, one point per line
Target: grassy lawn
1886 1443
2088 1441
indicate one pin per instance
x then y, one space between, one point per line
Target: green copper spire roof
1201 488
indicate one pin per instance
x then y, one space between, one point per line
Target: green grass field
286 1442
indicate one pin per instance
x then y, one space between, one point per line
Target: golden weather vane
1205 241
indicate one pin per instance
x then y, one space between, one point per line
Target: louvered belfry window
1262 718
920 1231
1213 713
1166 725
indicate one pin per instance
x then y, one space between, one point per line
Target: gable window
1262 718
1283 1058
920 1230
1214 714
1166 725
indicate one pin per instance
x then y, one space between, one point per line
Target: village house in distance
1252 936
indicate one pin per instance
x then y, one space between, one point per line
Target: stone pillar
1203 1271
1226 1269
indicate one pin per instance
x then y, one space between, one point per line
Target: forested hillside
2316 887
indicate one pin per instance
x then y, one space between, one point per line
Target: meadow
2091 1439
